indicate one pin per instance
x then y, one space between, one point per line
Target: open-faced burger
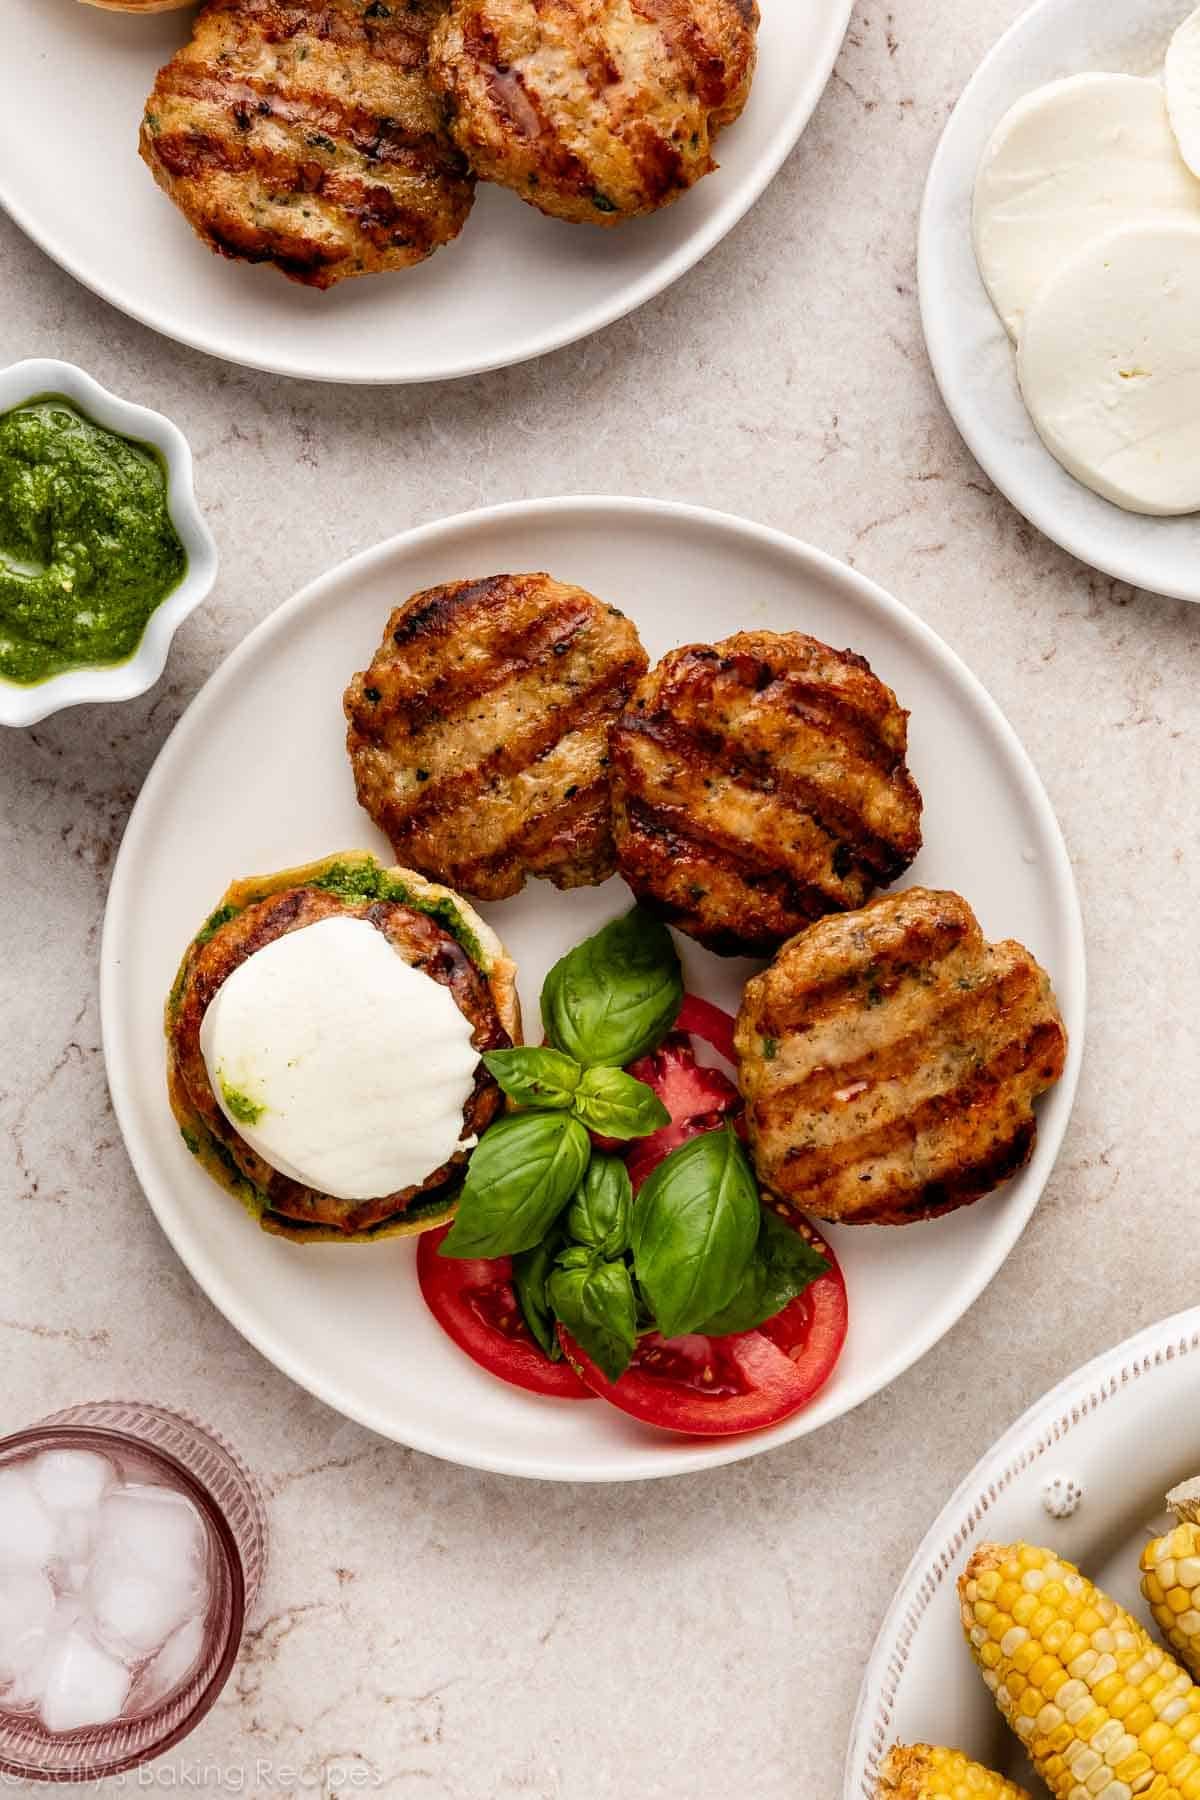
324 1044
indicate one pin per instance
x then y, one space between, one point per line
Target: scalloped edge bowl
21 705
1121 1429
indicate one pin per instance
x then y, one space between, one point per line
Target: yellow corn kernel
1103 1711
929 1772
1171 1577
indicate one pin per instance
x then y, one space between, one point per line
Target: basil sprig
618 1105
601 1214
595 1301
782 1266
531 1077
606 1100
521 1175
695 1228
616 995
696 1252
531 1272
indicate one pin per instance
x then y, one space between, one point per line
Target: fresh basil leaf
521 1175
615 995
602 1210
609 1101
695 1227
597 1306
531 1272
782 1266
533 1077
576 1256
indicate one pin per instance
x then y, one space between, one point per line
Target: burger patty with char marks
759 783
425 945
304 133
593 110
479 734
890 1059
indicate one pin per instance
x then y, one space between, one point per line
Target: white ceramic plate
1114 1428
255 778
971 354
514 285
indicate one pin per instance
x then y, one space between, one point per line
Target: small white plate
117 681
972 357
255 778
515 285
1118 1429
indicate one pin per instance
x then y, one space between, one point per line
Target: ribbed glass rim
117 1751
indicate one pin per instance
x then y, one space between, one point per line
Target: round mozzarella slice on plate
339 1063
1109 366
1068 162
1182 78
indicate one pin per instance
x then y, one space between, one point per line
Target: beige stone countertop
457 1636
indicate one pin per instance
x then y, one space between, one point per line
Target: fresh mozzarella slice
341 1064
1109 364
1066 163
1182 79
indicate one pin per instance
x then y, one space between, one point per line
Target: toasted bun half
354 876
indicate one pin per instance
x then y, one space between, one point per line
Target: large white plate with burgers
514 285
255 779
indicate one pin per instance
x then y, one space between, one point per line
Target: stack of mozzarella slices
1087 233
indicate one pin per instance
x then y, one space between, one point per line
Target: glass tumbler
171 1451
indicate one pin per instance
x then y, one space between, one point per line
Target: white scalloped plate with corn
1048 1628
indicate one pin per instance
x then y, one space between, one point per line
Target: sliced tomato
716 1387
475 1303
697 1098
700 1018
811 1329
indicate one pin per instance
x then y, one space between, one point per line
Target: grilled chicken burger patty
593 110
433 931
479 734
890 1059
304 133
759 783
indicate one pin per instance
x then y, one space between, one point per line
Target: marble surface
436 1634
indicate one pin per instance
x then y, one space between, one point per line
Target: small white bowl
21 705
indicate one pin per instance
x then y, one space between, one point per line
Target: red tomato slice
716 1387
700 1018
697 1098
475 1303
811 1329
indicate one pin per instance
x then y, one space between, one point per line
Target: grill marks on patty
424 944
890 1060
593 110
759 783
698 51
520 109
306 135
479 734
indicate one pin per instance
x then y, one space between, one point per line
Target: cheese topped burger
324 1037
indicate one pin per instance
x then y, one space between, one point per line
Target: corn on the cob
1104 1712
928 1772
1171 1576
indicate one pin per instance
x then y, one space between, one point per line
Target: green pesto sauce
240 1106
354 881
87 546
368 881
